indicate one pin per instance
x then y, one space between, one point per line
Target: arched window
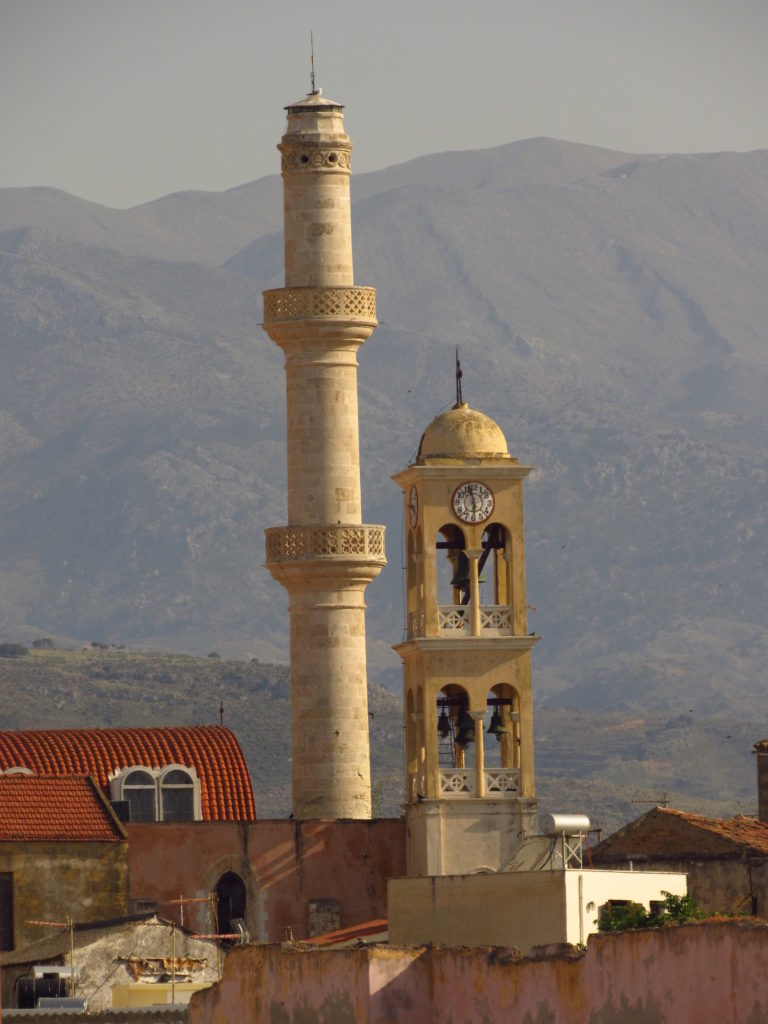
177 795
494 566
230 902
455 728
452 571
138 790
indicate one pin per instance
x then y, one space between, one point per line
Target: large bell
461 576
497 727
443 726
465 728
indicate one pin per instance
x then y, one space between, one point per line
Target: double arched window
171 793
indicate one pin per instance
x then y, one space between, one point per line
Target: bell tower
466 660
325 556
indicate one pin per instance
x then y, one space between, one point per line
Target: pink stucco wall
284 865
695 974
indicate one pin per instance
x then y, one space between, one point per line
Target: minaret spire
312 73
325 556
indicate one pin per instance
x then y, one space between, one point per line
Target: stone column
325 556
479 753
474 591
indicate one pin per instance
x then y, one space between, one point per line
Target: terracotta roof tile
48 808
212 750
742 830
665 834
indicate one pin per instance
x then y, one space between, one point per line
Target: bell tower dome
325 556
466 659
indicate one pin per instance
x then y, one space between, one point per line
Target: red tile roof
53 807
742 830
212 750
665 834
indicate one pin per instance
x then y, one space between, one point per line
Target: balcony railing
299 543
495 619
313 302
460 782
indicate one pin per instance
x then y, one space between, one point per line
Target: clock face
472 502
413 506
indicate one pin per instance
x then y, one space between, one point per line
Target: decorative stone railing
499 782
452 618
495 619
310 302
297 543
457 782
502 781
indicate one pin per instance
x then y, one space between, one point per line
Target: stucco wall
53 881
708 972
519 908
284 865
719 886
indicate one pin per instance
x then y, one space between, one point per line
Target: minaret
325 557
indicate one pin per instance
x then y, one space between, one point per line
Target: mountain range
610 314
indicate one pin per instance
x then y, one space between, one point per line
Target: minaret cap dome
462 431
313 101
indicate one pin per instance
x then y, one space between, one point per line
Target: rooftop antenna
221 712
312 52
459 375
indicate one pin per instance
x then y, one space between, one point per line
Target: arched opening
502 727
455 728
230 902
139 791
177 795
494 566
452 581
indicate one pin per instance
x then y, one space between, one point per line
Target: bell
497 726
465 726
443 726
461 576
465 736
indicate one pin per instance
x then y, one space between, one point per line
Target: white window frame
117 782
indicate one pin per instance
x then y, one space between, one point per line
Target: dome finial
314 91
459 375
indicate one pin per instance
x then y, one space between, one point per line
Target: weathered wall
284 865
709 972
540 907
52 881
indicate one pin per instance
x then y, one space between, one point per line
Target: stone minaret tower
324 557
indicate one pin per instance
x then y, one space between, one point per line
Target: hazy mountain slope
610 312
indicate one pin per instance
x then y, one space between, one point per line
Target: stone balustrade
304 543
318 302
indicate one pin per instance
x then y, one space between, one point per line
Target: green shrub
621 916
13 650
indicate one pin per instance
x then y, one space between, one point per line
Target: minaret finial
312 52
459 375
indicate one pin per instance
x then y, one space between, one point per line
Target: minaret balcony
320 302
309 543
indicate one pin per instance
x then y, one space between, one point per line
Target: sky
123 101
